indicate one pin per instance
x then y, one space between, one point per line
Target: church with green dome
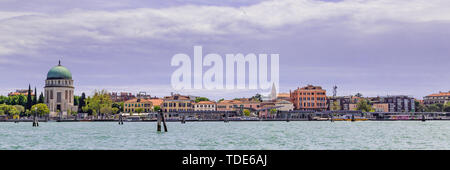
59 91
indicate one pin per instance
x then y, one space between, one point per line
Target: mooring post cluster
226 117
161 118
120 119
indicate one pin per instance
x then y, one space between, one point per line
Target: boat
350 117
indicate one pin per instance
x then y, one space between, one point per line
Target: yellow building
176 103
130 106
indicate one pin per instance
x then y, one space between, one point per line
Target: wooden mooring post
161 118
35 120
332 117
288 116
120 119
423 118
183 119
226 117
353 117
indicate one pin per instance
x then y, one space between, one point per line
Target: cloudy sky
375 47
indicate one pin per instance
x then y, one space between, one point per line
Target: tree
82 102
156 108
118 105
139 110
34 97
358 95
199 99
364 106
273 111
105 110
222 99
101 99
41 109
29 99
447 107
335 106
115 110
257 97
20 108
41 98
246 112
438 107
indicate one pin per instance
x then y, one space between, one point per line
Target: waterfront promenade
282 116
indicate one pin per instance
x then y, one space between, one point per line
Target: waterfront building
284 105
59 91
227 105
238 105
343 102
284 96
205 106
399 103
130 106
309 98
121 97
381 107
156 101
21 92
177 102
441 97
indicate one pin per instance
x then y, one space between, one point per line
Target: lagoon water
302 135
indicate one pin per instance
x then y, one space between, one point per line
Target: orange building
309 98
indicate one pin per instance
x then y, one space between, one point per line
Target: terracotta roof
440 94
284 95
156 102
141 101
205 102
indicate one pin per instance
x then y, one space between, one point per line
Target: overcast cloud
376 47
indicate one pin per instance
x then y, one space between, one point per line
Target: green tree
447 107
118 105
257 97
156 108
3 99
438 107
246 112
106 111
335 106
41 109
101 99
115 110
41 98
29 99
222 99
358 95
139 110
82 102
34 97
273 111
20 108
199 99
364 106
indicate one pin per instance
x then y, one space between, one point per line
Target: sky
374 47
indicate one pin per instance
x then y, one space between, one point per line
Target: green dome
59 72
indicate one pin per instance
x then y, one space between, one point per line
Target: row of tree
16 111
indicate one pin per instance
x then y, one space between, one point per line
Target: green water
428 135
